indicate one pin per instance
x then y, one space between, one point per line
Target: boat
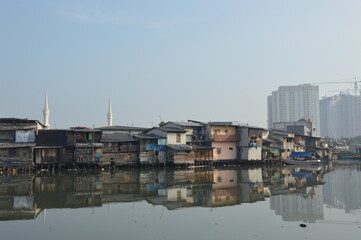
349 155
301 158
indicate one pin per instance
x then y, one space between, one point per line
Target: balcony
225 138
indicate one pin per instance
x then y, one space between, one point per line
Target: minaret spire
110 114
46 111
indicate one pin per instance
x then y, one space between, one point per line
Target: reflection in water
297 194
343 189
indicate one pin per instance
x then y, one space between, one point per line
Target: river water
225 203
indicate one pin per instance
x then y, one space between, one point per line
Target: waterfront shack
88 148
120 149
55 148
195 131
200 152
152 149
285 142
222 137
251 142
174 141
74 147
17 142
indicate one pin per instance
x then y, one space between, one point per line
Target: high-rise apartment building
340 116
291 103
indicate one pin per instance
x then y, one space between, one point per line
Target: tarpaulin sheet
23 202
152 147
301 154
24 136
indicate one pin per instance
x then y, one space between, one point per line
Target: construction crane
355 83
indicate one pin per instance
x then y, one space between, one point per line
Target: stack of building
26 143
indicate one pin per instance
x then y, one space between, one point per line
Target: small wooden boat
301 162
301 158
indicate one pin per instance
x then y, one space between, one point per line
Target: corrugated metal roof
118 137
123 128
172 130
189 124
149 136
224 123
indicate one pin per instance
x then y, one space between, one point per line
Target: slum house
272 149
177 151
223 138
195 137
17 141
55 148
88 148
152 149
250 145
120 149
195 131
285 143
300 143
315 144
69 148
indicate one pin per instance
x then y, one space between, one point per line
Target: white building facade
291 103
340 116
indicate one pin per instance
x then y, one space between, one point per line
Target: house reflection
296 194
225 190
17 199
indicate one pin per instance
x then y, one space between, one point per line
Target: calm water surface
231 203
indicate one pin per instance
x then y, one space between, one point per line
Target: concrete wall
251 153
226 152
172 138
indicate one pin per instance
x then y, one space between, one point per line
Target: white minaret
110 114
46 111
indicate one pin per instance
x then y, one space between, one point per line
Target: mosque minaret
110 114
46 111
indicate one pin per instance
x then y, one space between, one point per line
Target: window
219 179
217 131
178 137
89 136
219 150
231 148
226 131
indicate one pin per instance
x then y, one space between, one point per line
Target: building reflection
343 189
297 194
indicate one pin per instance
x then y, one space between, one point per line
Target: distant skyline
170 60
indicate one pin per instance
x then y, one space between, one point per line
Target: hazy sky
170 60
